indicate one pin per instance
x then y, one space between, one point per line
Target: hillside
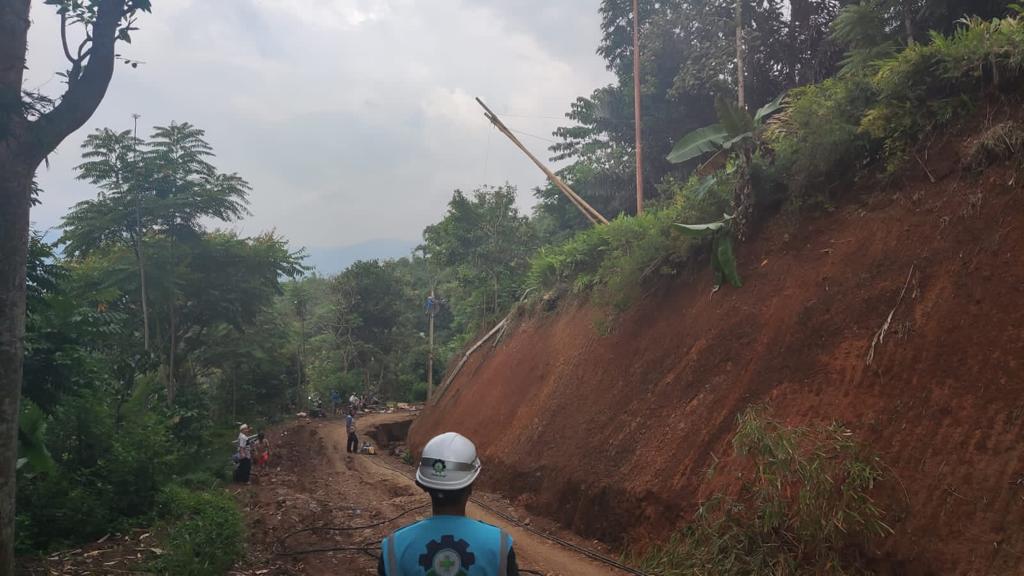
611 434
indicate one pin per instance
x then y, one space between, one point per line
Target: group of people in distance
252 450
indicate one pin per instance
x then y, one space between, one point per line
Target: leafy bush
204 532
803 510
105 474
612 260
928 85
817 142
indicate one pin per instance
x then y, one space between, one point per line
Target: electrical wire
281 550
533 136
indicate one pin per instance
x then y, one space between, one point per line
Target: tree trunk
741 81
15 186
15 192
908 23
23 145
170 358
140 260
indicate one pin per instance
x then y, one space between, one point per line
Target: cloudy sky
353 119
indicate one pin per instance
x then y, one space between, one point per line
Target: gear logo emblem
449 557
440 468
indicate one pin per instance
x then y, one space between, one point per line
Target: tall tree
161 188
486 243
113 162
28 133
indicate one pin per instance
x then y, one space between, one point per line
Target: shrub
204 532
817 142
612 260
802 511
105 475
928 85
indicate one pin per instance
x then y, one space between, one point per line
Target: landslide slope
611 434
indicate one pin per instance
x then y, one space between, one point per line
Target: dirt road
313 482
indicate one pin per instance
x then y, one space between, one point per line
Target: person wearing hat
448 543
244 467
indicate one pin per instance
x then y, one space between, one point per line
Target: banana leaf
697 143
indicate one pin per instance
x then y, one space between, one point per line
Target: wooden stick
465 357
588 211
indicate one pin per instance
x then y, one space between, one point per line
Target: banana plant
723 260
738 134
33 457
735 129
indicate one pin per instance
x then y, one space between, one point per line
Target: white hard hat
448 462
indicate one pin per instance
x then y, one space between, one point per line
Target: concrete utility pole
741 80
431 310
636 109
588 211
138 234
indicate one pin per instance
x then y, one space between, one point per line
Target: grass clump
805 508
204 532
999 143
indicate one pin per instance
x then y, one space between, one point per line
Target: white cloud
353 119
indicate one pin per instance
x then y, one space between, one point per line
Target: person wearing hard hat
448 543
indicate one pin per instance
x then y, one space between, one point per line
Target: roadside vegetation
803 506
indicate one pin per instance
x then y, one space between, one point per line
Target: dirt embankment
611 435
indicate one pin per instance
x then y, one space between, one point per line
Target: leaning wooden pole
588 211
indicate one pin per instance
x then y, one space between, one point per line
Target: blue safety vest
447 546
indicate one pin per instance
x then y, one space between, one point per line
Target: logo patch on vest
449 557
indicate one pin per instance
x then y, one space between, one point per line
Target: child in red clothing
262 452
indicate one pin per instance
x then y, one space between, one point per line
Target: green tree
153 195
31 127
483 244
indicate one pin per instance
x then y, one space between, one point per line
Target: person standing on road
448 543
244 468
350 427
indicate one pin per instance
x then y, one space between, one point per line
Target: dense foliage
122 421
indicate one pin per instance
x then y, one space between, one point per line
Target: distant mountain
329 260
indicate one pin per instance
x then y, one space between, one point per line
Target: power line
533 136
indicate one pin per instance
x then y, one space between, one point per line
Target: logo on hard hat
440 468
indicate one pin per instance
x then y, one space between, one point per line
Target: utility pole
741 81
300 308
138 232
588 211
431 310
636 110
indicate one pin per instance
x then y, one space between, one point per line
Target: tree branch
64 36
84 94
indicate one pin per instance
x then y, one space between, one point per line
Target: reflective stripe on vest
503 566
392 568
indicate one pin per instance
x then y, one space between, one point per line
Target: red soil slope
611 435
